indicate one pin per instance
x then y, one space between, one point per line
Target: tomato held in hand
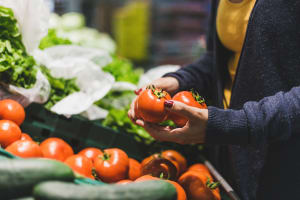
12 110
112 166
135 170
9 133
56 148
25 136
91 153
189 98
25 149
150 105
81 164
176 156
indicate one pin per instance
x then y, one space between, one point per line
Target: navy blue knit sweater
261 130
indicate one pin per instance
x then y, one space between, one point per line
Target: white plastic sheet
80 63
156 73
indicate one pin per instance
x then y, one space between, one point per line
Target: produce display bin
78 132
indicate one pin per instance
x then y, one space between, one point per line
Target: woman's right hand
169 84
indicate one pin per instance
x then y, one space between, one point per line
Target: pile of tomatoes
111 165
150 107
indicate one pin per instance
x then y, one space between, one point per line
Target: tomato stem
212 185
159 93
197 97
105 156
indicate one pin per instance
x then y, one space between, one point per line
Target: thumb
180 108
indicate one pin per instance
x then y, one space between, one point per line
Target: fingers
162 133
181 108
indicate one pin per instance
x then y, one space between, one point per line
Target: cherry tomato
56 148
176 156
12 110
189 98
91 153
150 105
80 164
9 133
25 136
25 149
135 170
112 166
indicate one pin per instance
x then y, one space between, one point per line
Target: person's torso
269 63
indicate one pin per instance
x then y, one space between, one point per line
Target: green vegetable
18 176
123 70
147 190
118 119
16 66
60 88
52 39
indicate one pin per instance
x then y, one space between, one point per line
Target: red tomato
199 167
25 149
150 105
91 153
135 170
194 184
146 178
176 156
124 182
56 148
12 110
25 136
9 133
112 166
80 164
189 98
160 167
181 195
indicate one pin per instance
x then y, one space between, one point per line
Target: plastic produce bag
156 73
32 18
80 63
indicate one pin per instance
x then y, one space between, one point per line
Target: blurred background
148 32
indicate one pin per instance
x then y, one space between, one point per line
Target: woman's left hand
193 132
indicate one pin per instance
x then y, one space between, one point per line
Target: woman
252 67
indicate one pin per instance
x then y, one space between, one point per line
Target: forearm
271 119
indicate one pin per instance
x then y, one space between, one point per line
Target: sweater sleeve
274 118
199 74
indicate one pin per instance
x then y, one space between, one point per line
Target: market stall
65 96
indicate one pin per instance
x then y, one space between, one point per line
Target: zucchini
147 190
18 176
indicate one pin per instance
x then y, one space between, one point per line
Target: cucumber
18 176
147 190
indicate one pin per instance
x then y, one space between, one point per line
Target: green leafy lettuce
60 88
16 66
123 70
52 40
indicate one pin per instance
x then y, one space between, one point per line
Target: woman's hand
193 132
169 84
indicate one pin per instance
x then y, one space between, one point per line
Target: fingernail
138 91
168 103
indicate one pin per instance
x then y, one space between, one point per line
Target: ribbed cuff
226 127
